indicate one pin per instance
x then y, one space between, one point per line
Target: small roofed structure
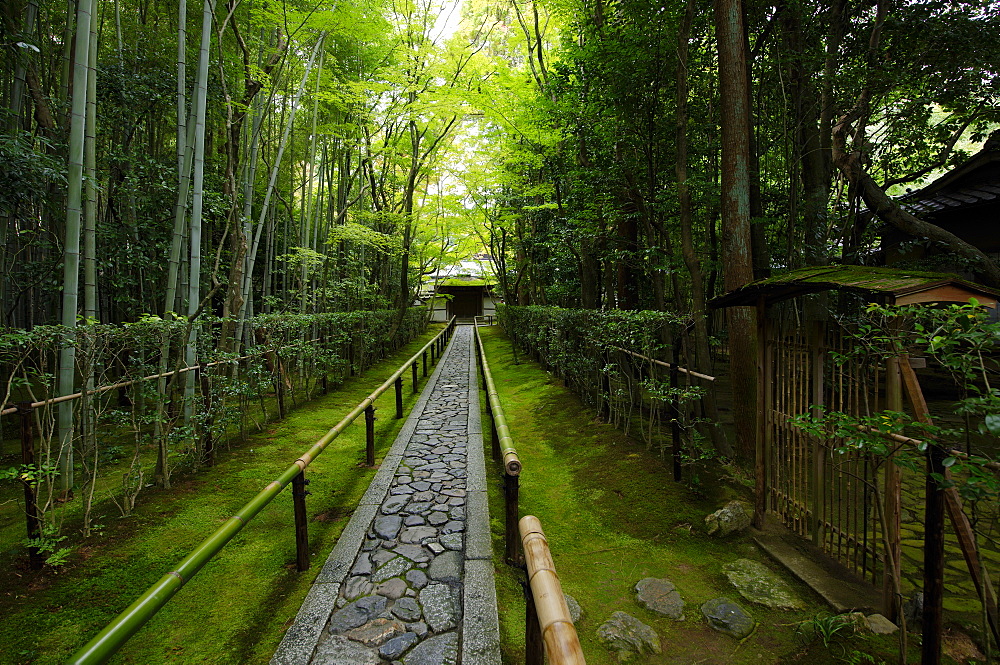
464 299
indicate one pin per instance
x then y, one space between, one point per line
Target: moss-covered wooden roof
895 284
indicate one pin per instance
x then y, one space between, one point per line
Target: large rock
758 584
880 625
727 617
731 518
446 567
628 637
376 632
660 596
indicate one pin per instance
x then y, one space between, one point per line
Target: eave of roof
891 282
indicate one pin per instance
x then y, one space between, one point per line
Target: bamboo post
511 487
26 412
370 435
413 372
207 443
892 500
423 357
299 493
399 397
562 645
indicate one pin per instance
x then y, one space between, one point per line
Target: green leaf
993 423
948 462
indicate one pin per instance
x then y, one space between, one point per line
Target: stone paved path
410 581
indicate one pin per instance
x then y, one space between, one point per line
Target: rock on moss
758 584
731 518
575 611
727 617
660 596
628 637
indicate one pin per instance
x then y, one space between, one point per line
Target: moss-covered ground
613 515
236 609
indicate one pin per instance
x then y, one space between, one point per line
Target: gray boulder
731 518
341 651
758 584
660 596
575 611
727 617
880 625
628 637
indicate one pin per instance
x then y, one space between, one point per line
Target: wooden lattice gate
814 488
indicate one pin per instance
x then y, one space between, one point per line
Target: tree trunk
736 243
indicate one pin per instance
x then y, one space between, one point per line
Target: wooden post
423 357
512 538
413 372
33 524
299 493
399 396
675 424
762 450
892 500
930 649
370 436
534 646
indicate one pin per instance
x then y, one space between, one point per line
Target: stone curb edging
480 622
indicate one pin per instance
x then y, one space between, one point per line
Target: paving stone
418 507
394 568
392 589
356 614
376 632
387 526
427 495
407 609
413 520
453 526
438 650
417 534
417 578
438 603
397 646
446 567
363 566
437 518
356 587
421 485
452 541
341 651
394 504
413 552
420 628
